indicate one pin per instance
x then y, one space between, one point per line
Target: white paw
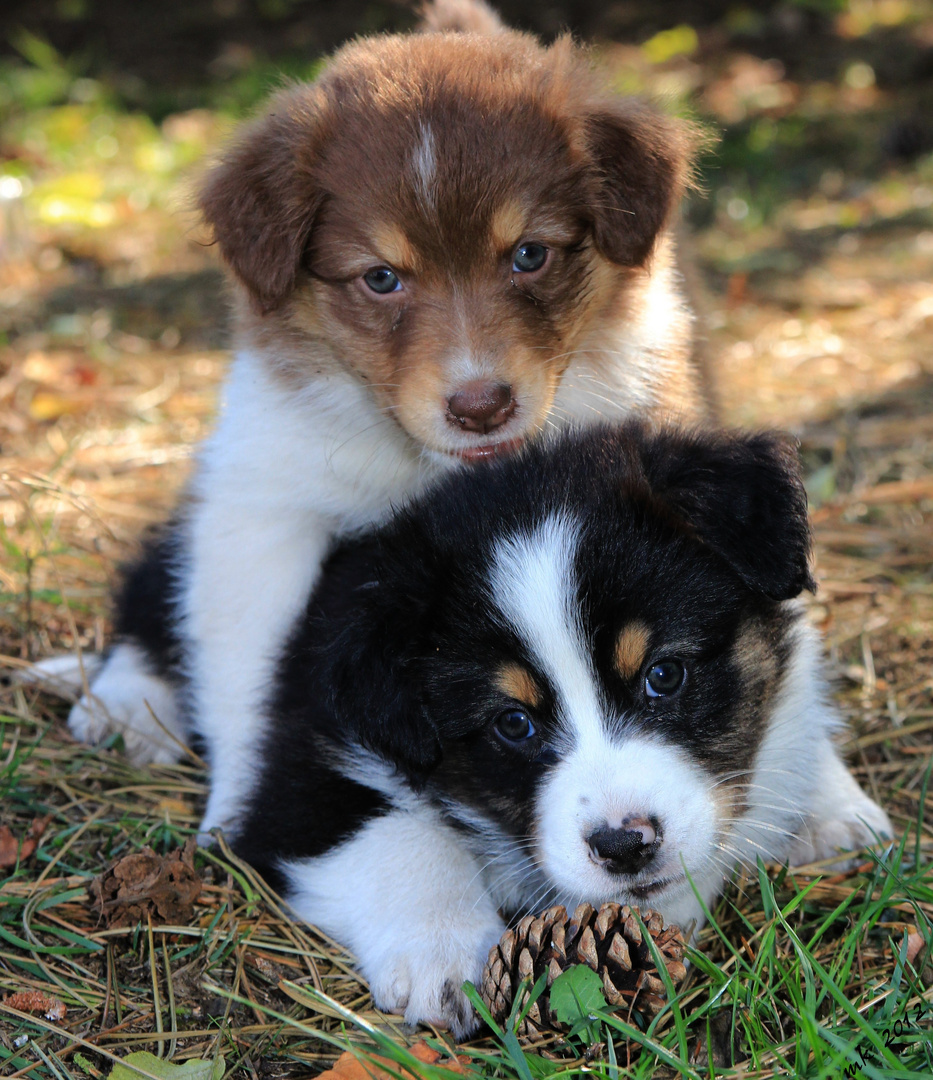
409 901
63 675
223 811
141 707
844 820
231 779
422 981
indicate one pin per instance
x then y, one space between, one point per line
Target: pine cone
610 941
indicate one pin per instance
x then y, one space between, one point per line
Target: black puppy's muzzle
626 850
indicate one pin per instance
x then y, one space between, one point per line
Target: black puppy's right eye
515 726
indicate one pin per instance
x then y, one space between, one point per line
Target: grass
817 252
810 972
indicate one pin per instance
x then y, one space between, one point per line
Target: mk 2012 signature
894 1036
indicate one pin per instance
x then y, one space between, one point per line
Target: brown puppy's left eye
382 280
529 257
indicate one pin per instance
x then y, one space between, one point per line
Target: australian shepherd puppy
445 245
578 673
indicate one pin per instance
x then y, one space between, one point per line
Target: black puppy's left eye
528 258
664 678
515 726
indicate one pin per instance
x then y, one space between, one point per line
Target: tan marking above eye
517 682
632 648
392 244
506 226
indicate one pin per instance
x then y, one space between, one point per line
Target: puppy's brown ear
641 162
261 198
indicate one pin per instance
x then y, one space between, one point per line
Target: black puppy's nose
626 850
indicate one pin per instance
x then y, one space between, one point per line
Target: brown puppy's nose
481 406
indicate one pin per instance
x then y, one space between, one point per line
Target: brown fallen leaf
349 1067
915 943
46 405
163 886
10 849
34 1001
718 1044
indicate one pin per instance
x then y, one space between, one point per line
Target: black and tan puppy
579 673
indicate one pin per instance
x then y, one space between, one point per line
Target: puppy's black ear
378 665
744 497
261 200
641 166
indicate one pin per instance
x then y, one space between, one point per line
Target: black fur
145 609
696 536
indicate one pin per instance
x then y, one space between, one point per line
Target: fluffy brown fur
436 155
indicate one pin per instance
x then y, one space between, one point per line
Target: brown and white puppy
446 244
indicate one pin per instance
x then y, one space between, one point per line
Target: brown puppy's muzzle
481 406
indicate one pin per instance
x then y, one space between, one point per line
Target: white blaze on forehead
424 163
464 365
535 587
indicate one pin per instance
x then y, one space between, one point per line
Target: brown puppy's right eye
529 257
382 280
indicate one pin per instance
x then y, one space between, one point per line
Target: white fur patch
409 900
803 804
628 366
424 166
283 474
535 587
64 675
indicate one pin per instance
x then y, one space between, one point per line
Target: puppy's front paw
126 699
856 826
844 819
409 901
423 980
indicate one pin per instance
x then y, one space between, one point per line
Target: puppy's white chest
324 449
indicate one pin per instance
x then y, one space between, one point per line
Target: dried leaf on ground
163 886
10 850
915 943
719 1043
32 1001
350 1067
